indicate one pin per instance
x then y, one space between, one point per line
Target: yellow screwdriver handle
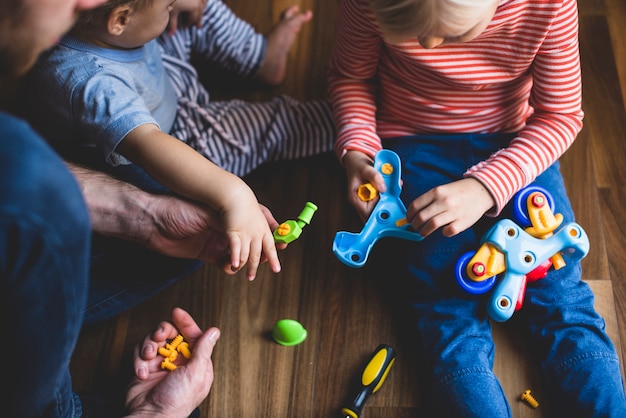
372 378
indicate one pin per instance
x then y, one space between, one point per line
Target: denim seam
570 362
462 372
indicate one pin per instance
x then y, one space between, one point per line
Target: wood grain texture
348 312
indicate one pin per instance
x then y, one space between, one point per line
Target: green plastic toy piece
290 230
289 332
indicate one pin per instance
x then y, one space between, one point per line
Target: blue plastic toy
511 255
388 219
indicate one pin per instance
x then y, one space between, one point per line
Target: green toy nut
288 332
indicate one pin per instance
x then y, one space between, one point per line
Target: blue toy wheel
520 208
466 283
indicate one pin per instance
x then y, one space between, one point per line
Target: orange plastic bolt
529 399
176 341
283 229
171 350
167 364
183 348
401 222
168 354
366 192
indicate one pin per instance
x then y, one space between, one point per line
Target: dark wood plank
605 130
616 17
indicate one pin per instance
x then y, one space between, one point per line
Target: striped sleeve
228 41
522 74
352 82
556 97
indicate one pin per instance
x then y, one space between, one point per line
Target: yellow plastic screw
401 222
167 364
283 229
386 168
176 341
183 348
171 350
168 354
529 399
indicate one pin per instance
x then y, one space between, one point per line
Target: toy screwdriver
372 378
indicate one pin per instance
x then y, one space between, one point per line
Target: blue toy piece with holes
510 254
388 219
524 253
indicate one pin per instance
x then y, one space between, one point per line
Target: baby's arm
184 171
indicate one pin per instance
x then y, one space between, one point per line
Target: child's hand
360 170
248 229
186 13
454 207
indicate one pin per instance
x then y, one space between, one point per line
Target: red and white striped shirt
522 74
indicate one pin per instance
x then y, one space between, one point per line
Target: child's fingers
235 251
244 252
270 252
254 258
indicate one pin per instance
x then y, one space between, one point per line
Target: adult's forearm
117 208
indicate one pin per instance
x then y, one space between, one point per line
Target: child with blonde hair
479 98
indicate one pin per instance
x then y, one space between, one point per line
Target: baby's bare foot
279 40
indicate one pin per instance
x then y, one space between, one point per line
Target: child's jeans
580 365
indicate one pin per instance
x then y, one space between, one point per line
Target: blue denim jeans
44 259
579 363
49 290
124 274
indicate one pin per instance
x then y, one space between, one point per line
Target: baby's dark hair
88 18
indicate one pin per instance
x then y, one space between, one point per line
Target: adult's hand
155 392
168 224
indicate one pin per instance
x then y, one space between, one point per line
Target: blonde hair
417 17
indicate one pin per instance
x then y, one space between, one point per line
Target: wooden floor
348 312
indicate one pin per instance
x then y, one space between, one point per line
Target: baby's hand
454 207
186 13
248 229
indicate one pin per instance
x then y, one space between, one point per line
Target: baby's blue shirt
83 95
